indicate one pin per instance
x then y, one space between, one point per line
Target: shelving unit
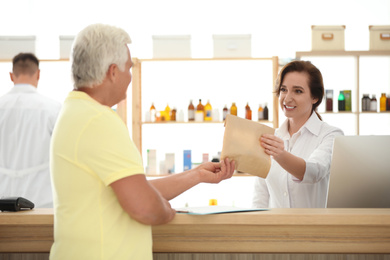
356 88
192 86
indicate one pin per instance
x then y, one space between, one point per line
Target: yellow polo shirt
90 149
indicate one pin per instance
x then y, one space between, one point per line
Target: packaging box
13 45
187 160
66 42
379 37
327 38
348 100
170 162
151 167
171 46
232 46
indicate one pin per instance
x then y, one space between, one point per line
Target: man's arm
142 201
175 184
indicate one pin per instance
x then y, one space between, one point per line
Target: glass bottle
191 111
260 113
265 111
173 114
373 104
167 113
388 103
199 114
233 109
208 111
366 102
152 113
329 100
248 112
225 111
382 103
341 100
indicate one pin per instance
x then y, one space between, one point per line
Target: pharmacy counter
274 231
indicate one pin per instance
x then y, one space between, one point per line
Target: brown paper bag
241 143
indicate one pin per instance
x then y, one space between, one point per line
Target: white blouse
314 143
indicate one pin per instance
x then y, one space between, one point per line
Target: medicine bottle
373 104
341 100
167 113
248 112
225 111
366 102
208 111
173 114
329 100
260 113
191 111
265 111
199 114
152 113
233 109
382 103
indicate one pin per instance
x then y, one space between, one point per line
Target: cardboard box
13 45
187 160
379 37
327 38
151 167
232 46
66 43
171 46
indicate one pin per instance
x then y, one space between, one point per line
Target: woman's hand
211 172
273 145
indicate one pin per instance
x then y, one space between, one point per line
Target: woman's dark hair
315 83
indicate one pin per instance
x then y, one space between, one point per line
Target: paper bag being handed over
241 143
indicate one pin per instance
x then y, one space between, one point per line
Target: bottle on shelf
167 116
233 109
373 104
248 112
173 114
199 114
366 102
382 102
208 111
191 112
265 111
225 111
341 100
388 103
329 100
152 113
260 113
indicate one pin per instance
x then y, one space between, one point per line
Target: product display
248 112
373 104
260 113
225 111
329 100
366 102
382 102
265 112
233 109
208 111
191 111
341 100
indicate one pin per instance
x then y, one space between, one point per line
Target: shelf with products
174 82
362 72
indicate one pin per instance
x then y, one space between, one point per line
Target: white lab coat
27 120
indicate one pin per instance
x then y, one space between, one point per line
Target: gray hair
95 48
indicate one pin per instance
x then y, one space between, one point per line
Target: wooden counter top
273 231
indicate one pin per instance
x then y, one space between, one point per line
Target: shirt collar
23 88
312 125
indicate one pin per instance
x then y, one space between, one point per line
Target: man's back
26 123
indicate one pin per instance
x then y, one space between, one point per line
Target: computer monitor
360 172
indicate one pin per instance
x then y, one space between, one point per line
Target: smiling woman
302 147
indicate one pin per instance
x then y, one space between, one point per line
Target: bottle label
191 114
260 115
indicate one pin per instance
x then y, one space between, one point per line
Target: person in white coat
301 148
27 120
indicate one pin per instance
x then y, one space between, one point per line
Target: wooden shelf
194 122
341 53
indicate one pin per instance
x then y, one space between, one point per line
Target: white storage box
232 46
171 46
13 45
66 42
327 38
379 37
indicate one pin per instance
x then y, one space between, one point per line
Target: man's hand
211 172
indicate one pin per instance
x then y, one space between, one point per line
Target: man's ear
112 72
11 75
38 74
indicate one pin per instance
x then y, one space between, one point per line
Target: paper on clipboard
241 143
